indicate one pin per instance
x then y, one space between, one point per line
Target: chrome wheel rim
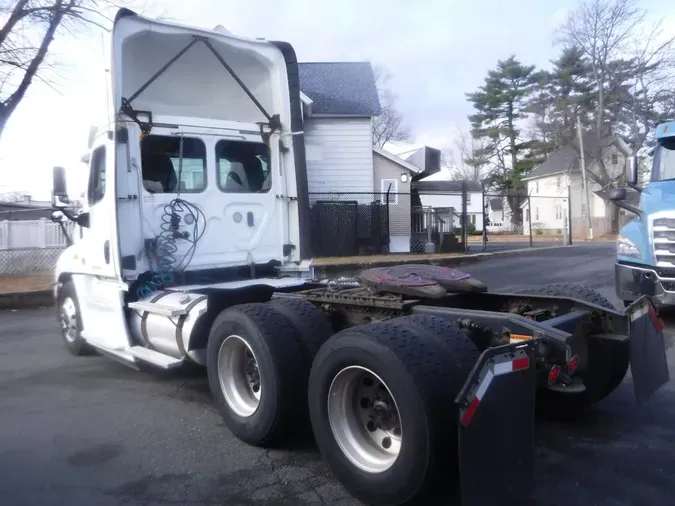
239 376
365 420
69 319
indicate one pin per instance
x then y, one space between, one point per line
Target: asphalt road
88 431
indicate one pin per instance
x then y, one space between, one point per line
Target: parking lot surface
90 432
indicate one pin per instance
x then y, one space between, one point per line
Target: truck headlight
627 248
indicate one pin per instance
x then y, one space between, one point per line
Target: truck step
155 308
154 357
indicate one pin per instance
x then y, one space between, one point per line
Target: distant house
442 194
23 208
547 186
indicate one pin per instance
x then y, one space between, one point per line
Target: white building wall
473 206
339 154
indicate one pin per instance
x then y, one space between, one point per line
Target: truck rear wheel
607 362
381 403
70 320
311 325
257 373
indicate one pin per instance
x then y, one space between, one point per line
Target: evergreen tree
501 104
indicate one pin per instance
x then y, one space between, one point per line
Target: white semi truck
192 247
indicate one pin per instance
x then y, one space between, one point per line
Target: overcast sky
437 50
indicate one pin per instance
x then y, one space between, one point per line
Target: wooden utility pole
584 181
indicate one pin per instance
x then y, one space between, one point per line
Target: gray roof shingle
340 88
567 157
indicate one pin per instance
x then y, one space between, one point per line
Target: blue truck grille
663 237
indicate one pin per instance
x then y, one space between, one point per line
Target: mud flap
496 429
648 363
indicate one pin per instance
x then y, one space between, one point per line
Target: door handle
106 251
249 219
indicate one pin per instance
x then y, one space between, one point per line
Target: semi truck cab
645 255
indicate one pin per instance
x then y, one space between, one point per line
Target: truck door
100 288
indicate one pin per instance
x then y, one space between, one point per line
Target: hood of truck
197 84
658 196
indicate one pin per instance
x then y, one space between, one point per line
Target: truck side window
96 190
162 167
243 167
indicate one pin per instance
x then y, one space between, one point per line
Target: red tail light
573 364
553 374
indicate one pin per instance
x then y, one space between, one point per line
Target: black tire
75 343
607 362
414 366
283 373
311 325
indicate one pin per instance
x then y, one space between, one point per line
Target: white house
547 188
438 191
347 175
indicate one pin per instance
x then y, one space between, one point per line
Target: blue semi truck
645 262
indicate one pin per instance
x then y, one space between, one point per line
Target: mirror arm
635 187
628 207
66 234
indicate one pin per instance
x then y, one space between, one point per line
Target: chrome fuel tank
170 335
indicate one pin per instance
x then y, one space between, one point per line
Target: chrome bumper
632 282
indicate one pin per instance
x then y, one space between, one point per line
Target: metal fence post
386 219
529 221
465 216
569 213
429 247
485 219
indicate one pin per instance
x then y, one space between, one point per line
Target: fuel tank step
154 357
158 309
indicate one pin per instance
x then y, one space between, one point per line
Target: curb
27 300
347 268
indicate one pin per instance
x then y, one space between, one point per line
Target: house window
243 167
473 219
96 190
391 186
615 159
536 187
558 212
536 214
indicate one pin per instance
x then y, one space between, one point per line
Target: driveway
90 432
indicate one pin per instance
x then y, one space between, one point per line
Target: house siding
399 205
550 193
339 154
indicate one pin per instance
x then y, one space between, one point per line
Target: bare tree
466 160
610 34
25 39
388 126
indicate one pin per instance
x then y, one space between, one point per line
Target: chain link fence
29 246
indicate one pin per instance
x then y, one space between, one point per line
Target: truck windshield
663 166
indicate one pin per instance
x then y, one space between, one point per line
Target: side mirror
618 194
632 166
59 189
59 217
83 219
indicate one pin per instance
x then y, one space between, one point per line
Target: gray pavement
88 431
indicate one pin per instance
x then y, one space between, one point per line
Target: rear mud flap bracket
649 366
496 427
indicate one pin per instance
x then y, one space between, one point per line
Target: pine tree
500 104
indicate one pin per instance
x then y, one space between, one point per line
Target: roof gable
566 158
340 88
